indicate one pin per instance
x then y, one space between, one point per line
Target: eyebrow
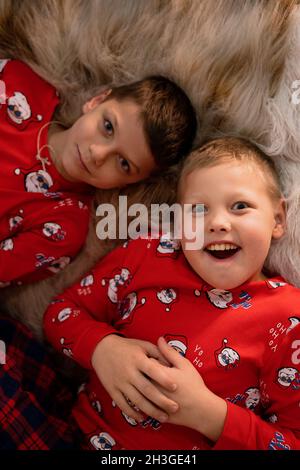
235 195
113 117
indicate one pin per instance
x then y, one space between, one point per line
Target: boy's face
105 147
238 213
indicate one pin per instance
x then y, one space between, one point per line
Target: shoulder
132 251
159 245
282 298
283 291
14 66
64 220
19 71
146 250
281 311
23 83
285 354
65 206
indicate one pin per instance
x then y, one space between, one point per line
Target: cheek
141 177
195 260
258 230
107 177
83 128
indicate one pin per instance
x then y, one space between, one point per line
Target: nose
218 222
98 154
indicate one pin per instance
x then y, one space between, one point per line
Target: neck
55 136
56 144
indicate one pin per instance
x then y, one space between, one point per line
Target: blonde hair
228 149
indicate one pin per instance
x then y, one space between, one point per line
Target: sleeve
83 315
279 427
45 244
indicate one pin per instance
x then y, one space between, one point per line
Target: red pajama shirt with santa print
245 343
43 218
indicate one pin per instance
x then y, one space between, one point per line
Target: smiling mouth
81 161
222 254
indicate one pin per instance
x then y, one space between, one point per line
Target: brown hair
169 119
227 149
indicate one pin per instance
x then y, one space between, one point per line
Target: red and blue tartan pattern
35 403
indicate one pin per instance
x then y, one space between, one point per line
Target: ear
280 220
95 101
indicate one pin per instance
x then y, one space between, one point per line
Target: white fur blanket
237 59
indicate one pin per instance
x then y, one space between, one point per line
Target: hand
126 369
199 408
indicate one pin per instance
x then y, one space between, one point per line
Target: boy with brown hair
48 172
203 339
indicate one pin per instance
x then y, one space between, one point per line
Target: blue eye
108 127
240 205
125 167
198 209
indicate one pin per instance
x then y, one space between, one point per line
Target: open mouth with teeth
222 250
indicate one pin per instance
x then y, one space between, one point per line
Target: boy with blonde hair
200 348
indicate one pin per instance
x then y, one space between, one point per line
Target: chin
226 284
228 287
74 177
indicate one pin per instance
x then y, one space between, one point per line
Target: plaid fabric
35 404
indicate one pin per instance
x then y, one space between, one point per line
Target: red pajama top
245 343
43 218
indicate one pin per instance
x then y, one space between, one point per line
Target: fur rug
237 59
